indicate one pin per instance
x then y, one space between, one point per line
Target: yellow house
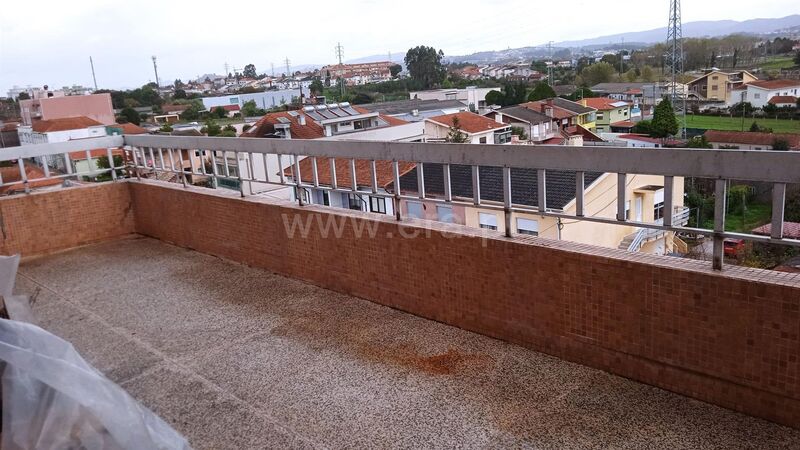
566 112
644 203
717 85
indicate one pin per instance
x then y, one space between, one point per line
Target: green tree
539 66
797 58
316 87
643 127
601 72
698 142
581 92
425 66
130 115
102 163
647 74
166 128
495 98
249 71
179 94
227 133
361 98
754 128
249 109
191 113
219 112
514 93
780 144
519 131
455 134
541 91
665 123
212 128
631 76
395 69
23 96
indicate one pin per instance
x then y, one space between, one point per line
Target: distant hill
638 39
706 28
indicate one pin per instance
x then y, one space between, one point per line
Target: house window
415 210
599 116
715 88
354 201
444 214
323 198
487 221
358 125
482 140
658 211
628 210
377 205
756 95
527 226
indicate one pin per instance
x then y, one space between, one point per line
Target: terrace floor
236 357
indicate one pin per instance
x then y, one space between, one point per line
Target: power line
339 52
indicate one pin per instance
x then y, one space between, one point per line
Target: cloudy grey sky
49 42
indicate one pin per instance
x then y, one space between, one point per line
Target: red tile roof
751 138
791 230
774 84
311 130
11 174
541 106
624 124
94 153
64 124
383 172
166 109
128 128
469 122
781 99
601 103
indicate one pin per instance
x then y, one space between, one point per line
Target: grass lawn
777 63
735 123
757 214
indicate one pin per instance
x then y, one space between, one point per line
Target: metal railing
148 153
644 235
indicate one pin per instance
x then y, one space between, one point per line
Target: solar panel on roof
315 115
351 111
293 113
283 120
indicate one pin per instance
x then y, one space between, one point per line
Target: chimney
498 117
547 110
301 119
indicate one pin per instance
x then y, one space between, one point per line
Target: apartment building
609 112
96 107
476 129
717 85
473 97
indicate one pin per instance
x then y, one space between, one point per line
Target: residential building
759 93
784 101
478 129
60 130
567 113
538 126
644 194
333 121
416 110
717 85
263 100
96 107
473 97
628 92
358 74
609 112
748 140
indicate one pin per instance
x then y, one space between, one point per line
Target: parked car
733 247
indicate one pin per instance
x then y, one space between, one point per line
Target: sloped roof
791 230
783 99
128 128
525 114
616 88
603 103
311 129
64 124
11 175
752 138
774 84
468 122
560 184
406 106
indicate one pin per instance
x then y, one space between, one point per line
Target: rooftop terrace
411 332
238 357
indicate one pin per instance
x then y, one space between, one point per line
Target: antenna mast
675 61
155 69
94 78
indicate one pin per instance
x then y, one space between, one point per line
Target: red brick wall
48 221
730 338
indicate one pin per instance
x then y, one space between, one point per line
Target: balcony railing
147 153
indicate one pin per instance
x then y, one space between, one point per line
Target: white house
478 129
60 130
759 93
473 97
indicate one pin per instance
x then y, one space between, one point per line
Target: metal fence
220 160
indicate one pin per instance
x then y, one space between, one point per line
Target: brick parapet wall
729 338
48 221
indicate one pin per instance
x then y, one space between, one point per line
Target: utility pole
340 55
288 66
94 78
155 69
552 63
621 49
272 66
675 56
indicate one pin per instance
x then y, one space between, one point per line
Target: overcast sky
49 42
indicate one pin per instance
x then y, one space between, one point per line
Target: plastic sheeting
53 399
